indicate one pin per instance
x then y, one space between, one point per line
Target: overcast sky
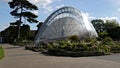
104 9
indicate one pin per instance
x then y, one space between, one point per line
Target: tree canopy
22 10
98 25
111 24
109 28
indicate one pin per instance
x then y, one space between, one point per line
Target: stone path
17 57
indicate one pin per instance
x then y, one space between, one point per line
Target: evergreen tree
21 10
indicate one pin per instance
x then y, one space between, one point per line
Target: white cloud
102 18
47 9
35 12
59 6
44 4
89 16
105 18
109 18
3 26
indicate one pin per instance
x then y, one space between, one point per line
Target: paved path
17 57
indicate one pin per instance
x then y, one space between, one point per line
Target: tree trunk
20 22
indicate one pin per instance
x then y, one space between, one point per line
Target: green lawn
1 53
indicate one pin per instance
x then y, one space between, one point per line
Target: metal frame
62 13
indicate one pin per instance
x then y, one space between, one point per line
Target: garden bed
77 48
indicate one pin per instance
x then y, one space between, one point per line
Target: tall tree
21 10
113 29
114 33
99 25
111 24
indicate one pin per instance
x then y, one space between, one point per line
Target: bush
1 53
74 38
23 42
108 41
76 48
115 49
102 35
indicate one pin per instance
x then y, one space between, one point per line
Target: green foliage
25 31
102 35
88 47
111 24
114 33
9 34
115 48
22 10
110 28
73 48
98 25
1 53
74 38
108 41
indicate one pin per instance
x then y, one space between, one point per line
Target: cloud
102 18
105 18
48 9
44 4
109 18
59 6
4 26
89 16
35 12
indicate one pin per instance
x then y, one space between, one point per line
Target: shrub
1 53
115 49
102 35
76 48
108 41
74 38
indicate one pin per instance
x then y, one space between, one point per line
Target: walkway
17 57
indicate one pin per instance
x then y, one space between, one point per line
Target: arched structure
64 22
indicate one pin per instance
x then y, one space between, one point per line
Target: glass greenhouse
65 22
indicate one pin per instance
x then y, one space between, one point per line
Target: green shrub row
75 48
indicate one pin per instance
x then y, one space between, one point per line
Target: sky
94 9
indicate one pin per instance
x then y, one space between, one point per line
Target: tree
111 24
9 34
98 25
100 28
39 25
21 9
115 33
113 29
25 31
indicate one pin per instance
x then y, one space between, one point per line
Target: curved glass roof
64 22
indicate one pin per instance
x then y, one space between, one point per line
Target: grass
1 53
